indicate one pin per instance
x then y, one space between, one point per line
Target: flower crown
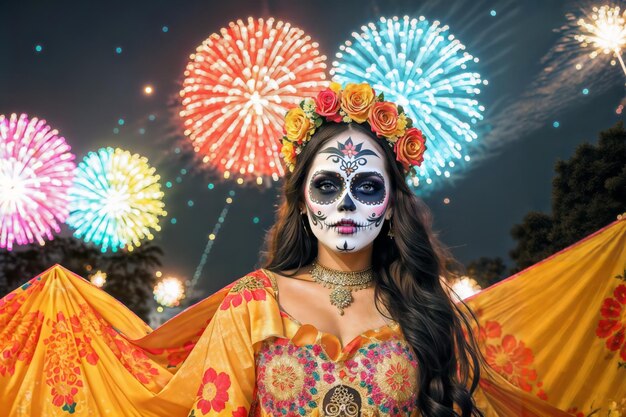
355 103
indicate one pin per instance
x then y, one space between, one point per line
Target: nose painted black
347 204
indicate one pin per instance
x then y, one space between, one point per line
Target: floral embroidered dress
306 372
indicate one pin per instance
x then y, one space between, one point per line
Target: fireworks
605 30
169 292
115 200
36 171
238 86
425 70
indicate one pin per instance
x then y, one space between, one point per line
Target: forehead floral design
356 103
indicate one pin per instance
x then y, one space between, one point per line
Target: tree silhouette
486 271
588 192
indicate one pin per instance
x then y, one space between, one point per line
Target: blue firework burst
421 67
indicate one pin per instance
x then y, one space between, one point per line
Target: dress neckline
393 326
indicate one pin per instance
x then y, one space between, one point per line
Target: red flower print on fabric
612 325
510 357
213 391
248 288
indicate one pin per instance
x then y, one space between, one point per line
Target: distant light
152 117
492 12
183 171
158 274
231 193
173 221
148 90
179 179
255 220
168 184
120 122
116 130
229 200
556 124
165 29
142 131
176 150
210 186
190 203
118 50
38 48
446 200
98 279
159 309
211 236
585 91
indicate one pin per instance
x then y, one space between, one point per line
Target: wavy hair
410 280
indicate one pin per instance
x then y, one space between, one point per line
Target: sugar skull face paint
347 192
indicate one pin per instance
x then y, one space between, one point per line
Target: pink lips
346 227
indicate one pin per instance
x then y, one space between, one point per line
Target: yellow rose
336 87
357 100
289 154
401 126
296 125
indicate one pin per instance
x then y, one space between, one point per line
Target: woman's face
347 192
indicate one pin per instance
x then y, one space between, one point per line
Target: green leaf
409 123
400 110
318 121
381 96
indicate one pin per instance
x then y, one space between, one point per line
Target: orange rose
383 118
357 100
410 148
296 125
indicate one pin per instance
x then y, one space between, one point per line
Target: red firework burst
238 86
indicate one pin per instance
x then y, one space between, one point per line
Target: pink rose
327 105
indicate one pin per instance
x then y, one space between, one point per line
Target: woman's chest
377 379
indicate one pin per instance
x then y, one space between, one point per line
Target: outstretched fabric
553 336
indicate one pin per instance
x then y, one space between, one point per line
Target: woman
349 316
351 188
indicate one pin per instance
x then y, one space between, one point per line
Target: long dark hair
411 274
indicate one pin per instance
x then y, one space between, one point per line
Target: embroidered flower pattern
612 326
293 380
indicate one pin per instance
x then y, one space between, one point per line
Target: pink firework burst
238 86
36 172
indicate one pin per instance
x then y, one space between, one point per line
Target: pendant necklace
342 283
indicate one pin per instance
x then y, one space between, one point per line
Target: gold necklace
342 283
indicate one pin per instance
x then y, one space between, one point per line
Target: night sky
82 86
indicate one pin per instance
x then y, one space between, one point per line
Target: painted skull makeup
347 192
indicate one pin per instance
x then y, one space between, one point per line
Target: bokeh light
238 86
98 279
465 287
116 200
169 292
426 70
36 173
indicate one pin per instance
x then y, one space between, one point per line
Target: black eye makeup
368 188
326 187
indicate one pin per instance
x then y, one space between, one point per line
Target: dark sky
82 87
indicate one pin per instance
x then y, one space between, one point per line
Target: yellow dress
552 336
